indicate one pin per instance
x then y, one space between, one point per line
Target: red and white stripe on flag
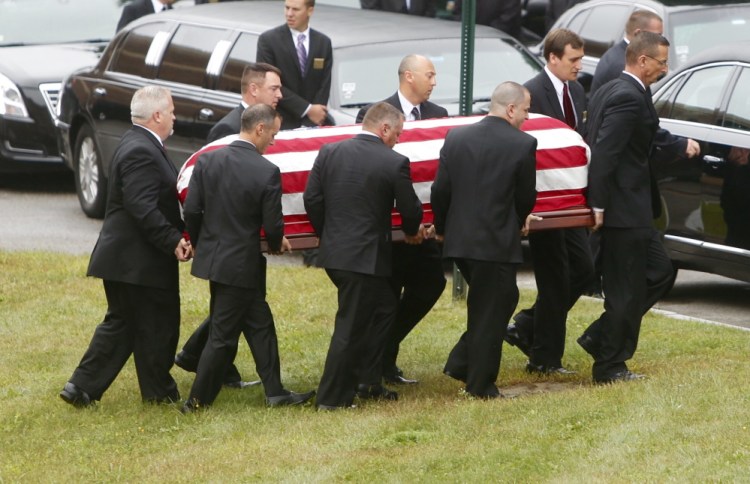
562 163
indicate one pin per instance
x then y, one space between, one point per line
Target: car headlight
11 101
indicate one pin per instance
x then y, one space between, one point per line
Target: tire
91 185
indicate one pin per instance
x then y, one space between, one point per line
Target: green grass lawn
688 422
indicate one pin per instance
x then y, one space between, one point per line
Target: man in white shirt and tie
305 58
563 264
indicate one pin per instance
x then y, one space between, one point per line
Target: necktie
301 53
415 113
570 117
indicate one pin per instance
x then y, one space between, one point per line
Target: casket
562 170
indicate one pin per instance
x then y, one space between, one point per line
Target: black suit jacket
483 190
234 192
417 7
349 197
134 10
142 223
427 110
229 124
544 99
610 66
277 48
622 127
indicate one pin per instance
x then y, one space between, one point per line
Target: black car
42 41
690 25
199 53
706 200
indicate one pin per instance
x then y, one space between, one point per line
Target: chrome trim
22 150
709 245
51 94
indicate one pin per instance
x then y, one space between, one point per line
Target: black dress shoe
166 400
625 375
290 398
548 370
399 380
75 396
331 408
589 345
191 406
514 338
186 362
455 376
491 394
239 384
375 392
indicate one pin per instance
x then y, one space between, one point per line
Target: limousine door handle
206 114
713 159
100 92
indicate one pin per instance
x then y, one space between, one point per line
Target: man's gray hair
505 94
148 100
380 113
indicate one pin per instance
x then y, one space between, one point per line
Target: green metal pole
466 99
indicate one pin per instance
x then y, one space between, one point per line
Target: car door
710 105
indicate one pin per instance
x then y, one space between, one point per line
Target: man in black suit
305 58
234 192
563 265
417 277
260 84
612 62
136 256
482 195
425 8
635 267
138 8
349 197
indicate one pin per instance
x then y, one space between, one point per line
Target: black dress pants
233 308
142 321
365 314
417 281
492 298
563 269
636 273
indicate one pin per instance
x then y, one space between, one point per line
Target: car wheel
91 185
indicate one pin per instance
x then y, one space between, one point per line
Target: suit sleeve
668 147
193 208
407 202
273 219
313 195
142 182
617 124
440 194
219 131
525 194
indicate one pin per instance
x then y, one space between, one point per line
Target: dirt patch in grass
532 388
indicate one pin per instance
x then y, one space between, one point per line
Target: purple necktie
301 53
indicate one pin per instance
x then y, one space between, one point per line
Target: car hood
30 65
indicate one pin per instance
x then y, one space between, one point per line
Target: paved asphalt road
42 213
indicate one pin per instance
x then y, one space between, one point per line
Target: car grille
51 93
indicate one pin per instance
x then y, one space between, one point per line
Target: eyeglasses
663 63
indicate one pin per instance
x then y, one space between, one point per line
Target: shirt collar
406 105
158 6
636 78
556 82
152 133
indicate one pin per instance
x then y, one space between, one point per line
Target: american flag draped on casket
562 169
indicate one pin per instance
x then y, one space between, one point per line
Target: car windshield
366 74
28 22
692 31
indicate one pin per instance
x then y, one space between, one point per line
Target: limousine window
187 55
242 53
698 100
738 111
132 54
365 74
